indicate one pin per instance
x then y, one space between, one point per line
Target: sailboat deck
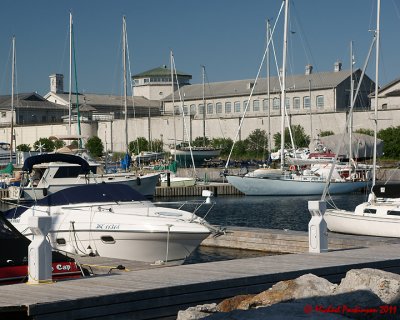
158 293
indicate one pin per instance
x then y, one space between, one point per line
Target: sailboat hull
254 186
366 224
184 156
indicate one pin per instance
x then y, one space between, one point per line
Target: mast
173 98
309 94
268 90
283 93
12 98
70 75
125 82
351 102
378 9
204 106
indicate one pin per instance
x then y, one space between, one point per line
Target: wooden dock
159 293
196 190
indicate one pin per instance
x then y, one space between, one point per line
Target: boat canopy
84 194
389 190
55 157
362 145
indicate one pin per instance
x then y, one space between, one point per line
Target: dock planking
158 293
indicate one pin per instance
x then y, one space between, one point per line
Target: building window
320 101
276 103
176 110
3 114
201 109
228 107
384 106
237 106
256 105
210 108
296 103
306 102
245 104
218 107
185 110
287 103
192 109
265 105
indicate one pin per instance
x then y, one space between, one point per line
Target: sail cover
362 145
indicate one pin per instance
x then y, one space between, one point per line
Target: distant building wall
112 133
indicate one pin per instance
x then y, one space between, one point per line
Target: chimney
309 69
57 83
338 66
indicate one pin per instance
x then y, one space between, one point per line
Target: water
262 212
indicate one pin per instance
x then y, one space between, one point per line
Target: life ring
292 168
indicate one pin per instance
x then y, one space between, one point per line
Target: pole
12 98
283 94
204 107
70 75
125 82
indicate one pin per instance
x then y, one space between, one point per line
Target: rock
385 285
361 295
197 312
233 303
305 286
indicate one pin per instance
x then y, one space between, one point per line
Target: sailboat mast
268 89
204 106
350 129
377 34
173 98
125 82
283 94
70 75
12 98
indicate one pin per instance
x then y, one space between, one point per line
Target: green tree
369 132
326 133
239 151
256 144
157 145
24 147
59 144
95 146
138 145
225 144
44 145
300 138
391 142
199 142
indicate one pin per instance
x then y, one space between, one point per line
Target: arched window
237 106
210 108
228 107
256 105
218 107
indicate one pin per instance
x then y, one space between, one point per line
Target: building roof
162 71
28 100
320 80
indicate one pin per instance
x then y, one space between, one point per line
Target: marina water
263 212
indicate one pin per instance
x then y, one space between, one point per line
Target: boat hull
184 157
348 222
253 186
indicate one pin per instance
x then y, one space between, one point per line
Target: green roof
162 71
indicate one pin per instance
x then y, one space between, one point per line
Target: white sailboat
114 221
290 182
380 214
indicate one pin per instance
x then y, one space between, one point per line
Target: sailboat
185 153
290 181
380 214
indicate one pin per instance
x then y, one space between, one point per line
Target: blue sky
227 36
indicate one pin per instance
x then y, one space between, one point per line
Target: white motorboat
116 222
57 171
379 216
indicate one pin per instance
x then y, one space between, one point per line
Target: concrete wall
113 136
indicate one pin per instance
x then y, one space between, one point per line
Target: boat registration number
107 226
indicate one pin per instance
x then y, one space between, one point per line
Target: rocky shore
361 294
